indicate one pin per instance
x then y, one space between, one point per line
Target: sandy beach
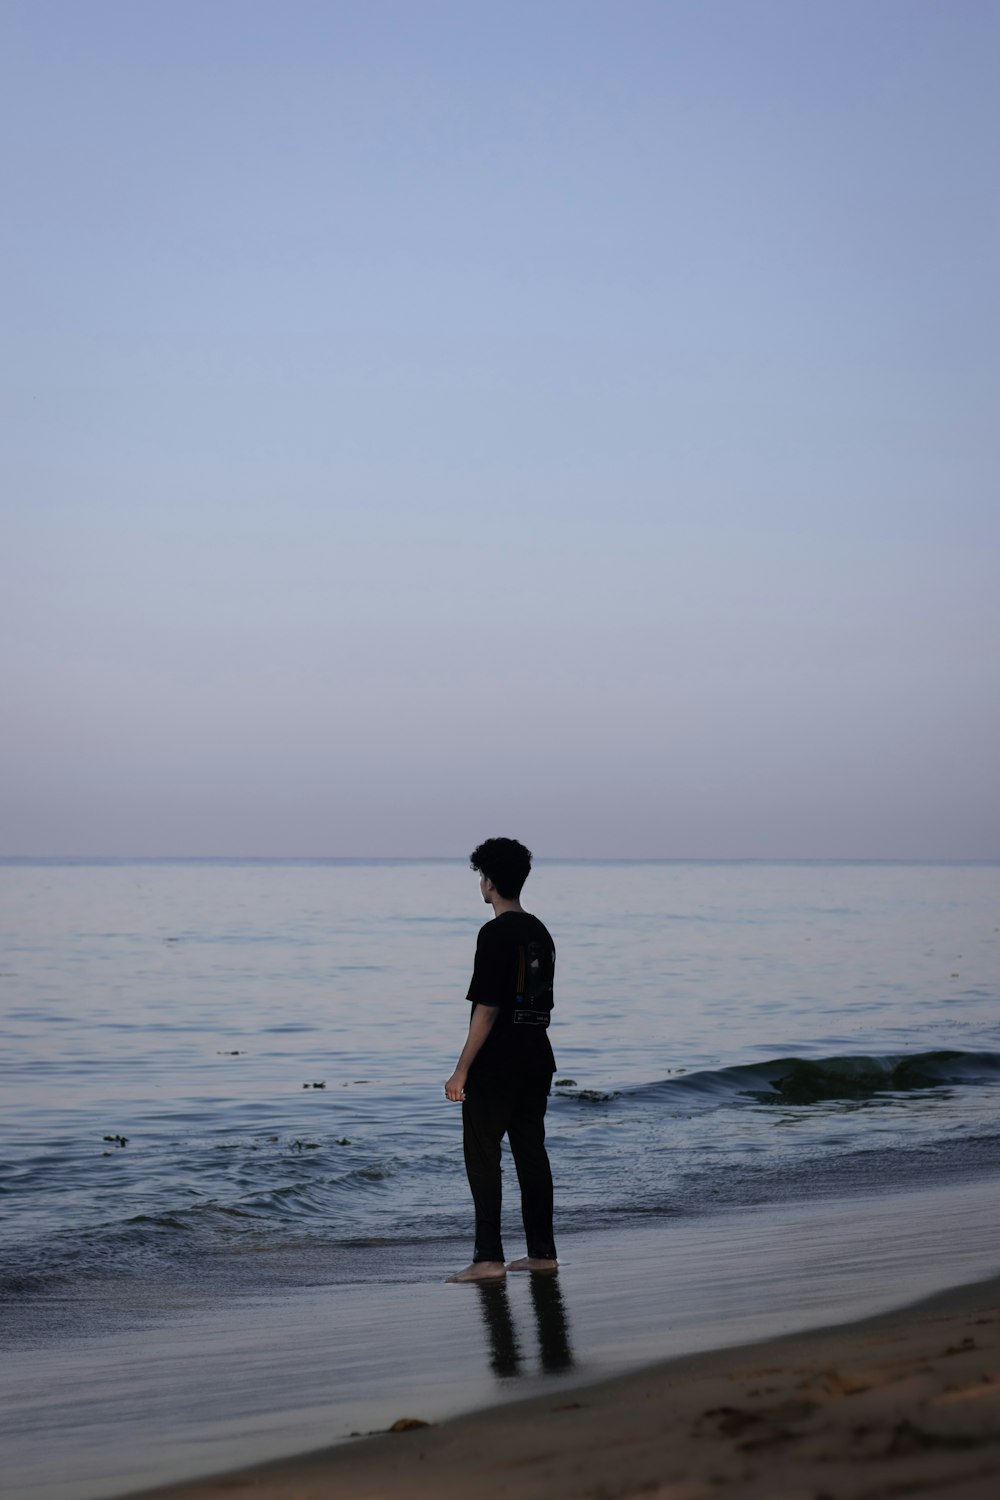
907 1403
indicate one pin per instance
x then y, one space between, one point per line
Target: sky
573 421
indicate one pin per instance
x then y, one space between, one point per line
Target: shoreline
903 1402
256 1381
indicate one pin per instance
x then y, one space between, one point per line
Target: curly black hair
504 861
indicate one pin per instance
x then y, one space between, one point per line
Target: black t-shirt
514 970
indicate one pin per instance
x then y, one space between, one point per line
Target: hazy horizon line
551 859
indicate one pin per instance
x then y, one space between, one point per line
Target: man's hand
480 1026
454 1089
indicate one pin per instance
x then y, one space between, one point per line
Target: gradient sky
567 420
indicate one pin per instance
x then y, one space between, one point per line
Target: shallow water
733 1032
738 1044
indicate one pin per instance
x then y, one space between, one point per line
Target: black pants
512 1106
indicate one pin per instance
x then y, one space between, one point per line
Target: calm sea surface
234 1070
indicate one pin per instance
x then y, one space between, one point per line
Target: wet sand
907 1403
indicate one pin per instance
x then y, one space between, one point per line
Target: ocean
222 1098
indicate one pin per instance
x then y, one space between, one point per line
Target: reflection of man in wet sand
505 1071
554 1348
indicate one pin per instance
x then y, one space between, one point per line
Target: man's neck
501 905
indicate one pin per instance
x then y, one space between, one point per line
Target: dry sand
907 1403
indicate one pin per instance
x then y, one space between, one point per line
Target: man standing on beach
504 1074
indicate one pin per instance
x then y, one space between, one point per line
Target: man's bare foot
482 1270
533 1263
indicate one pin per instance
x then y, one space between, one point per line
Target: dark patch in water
807 1082
802 1080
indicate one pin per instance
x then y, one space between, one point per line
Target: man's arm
480 1026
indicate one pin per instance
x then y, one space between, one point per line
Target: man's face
485 886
